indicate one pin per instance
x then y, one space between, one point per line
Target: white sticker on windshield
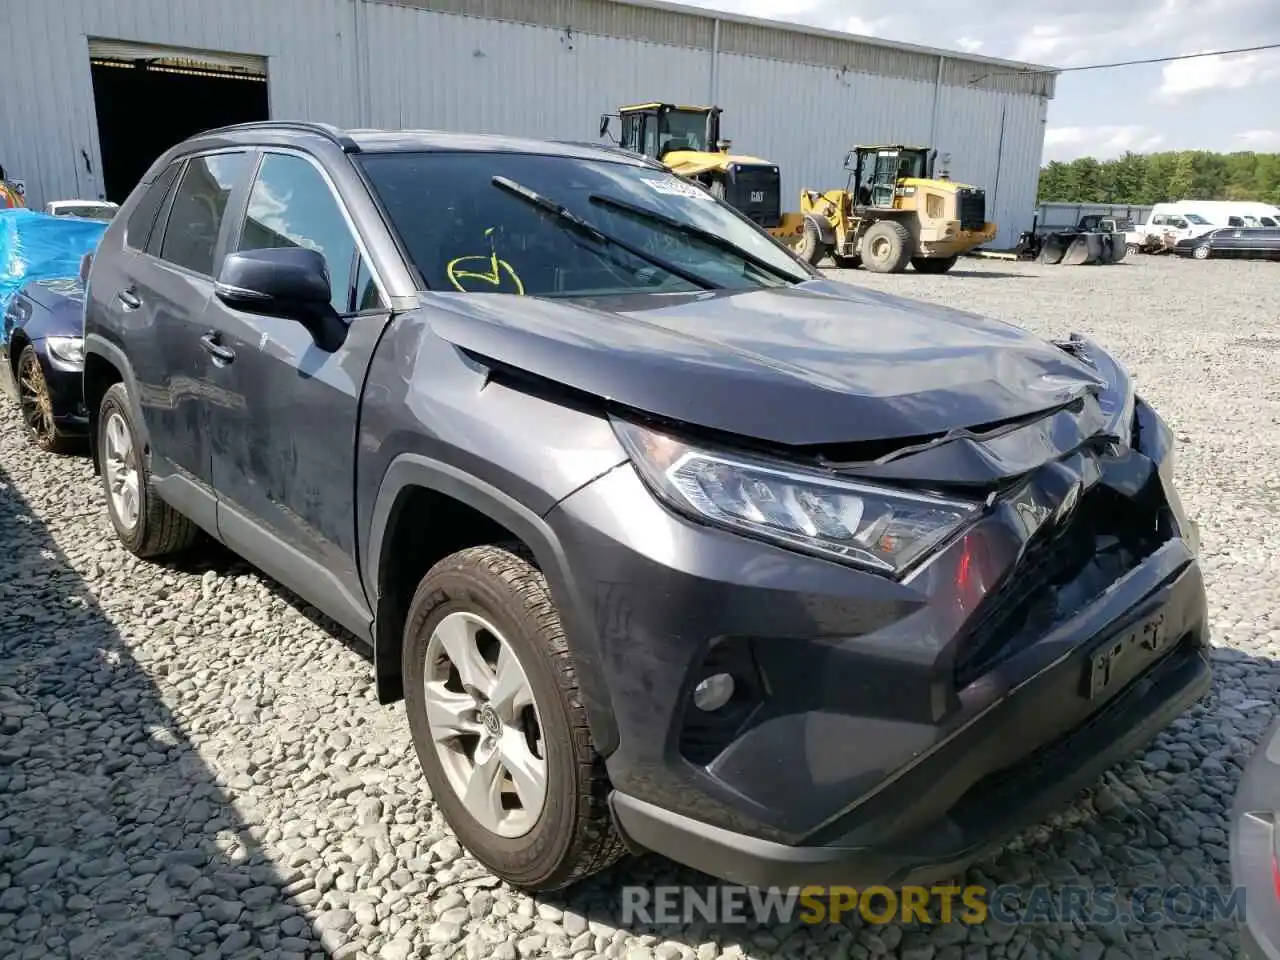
675 187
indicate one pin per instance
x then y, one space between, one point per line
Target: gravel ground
192 762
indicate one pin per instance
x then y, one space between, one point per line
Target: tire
152 529
1201 252
886 247
37 406
811 249
499 599
933 264
717 189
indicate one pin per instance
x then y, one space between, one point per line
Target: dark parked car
42 349
1247 243
667 542
1255 848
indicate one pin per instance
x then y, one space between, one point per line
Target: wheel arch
105 364
414 479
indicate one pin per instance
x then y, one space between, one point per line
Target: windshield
1196 218
683 130
464 233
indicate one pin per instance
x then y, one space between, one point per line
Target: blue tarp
37 246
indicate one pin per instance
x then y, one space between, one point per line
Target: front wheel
1201 252
810 247
497 720
36 404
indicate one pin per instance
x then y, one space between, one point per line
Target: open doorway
149 98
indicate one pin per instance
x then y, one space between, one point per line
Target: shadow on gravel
116 839
991 275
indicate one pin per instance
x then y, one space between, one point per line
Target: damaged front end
930 641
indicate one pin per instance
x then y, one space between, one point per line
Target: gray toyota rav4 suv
667 542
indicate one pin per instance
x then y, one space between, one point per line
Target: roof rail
326 130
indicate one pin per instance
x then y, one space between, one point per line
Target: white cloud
866 28
1259 139
968 44
1103 142
1041 43
1186 77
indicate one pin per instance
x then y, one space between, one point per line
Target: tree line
1157 177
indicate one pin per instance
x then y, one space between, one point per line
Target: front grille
1063 567
757 193
972 212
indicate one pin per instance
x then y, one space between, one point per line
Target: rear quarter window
142 220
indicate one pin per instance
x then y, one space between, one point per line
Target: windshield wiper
571 221
706 236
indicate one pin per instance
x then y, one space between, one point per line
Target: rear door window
195 219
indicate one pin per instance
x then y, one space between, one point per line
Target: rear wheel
37 405
933 264
497 720
146 525
810 247
886 247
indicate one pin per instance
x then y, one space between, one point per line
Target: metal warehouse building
91 91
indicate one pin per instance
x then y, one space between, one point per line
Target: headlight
875 527
66 349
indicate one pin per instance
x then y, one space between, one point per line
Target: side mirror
724 145
288 282
276 280
848 160
604 124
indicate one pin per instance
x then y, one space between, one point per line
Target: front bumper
1255 848
873 739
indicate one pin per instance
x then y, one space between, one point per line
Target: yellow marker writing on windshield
493 276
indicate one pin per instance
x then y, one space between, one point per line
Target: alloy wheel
484 724
120 462
33 394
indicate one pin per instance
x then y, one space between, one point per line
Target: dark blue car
42 346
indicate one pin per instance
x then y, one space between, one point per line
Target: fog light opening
714 692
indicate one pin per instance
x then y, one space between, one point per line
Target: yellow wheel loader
687 141
894 212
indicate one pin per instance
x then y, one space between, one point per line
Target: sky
1211 103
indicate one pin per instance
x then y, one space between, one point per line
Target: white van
1213 213
1182 219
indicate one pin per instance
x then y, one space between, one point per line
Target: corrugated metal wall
421 63
47 122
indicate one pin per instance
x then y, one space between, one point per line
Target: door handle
221 355
129 299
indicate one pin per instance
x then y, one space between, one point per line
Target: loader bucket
1085 248
1052 249
1118 248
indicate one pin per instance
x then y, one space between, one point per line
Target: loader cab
656 129
874 171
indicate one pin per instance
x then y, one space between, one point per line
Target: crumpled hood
818 363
